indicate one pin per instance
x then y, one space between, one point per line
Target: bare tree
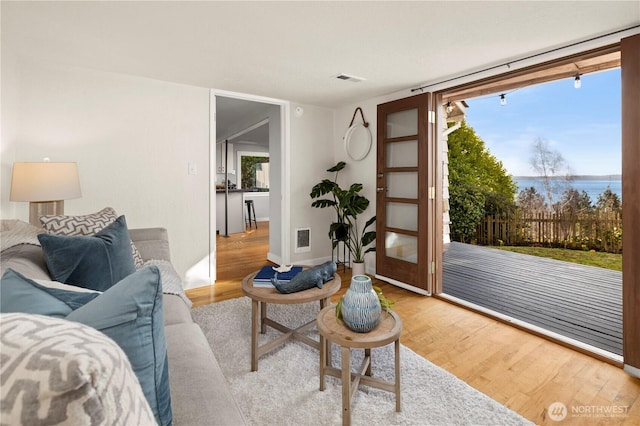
551 167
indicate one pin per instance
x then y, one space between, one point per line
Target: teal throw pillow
96 262
130 313
20 294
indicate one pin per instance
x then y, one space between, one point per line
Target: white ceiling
294 50
231 118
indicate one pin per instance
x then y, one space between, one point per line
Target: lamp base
44 208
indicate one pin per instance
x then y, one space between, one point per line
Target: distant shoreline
576 177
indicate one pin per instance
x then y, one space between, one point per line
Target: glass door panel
402 123
402 185
402 216
402 247
402 154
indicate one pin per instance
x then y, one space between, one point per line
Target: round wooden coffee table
261 296
334 331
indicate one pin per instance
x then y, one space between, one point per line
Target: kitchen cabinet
220 163
235 212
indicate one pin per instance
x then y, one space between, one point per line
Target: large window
254 171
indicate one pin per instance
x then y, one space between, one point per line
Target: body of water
593 187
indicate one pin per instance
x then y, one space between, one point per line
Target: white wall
8 129
311 155
132 138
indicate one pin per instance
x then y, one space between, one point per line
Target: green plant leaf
355 188
326 186
323 202
368 238
369 222
339 309
337 167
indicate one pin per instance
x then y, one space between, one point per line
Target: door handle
380 189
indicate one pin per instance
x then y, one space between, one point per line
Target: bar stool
251 210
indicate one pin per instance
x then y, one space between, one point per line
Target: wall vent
303 240
351 78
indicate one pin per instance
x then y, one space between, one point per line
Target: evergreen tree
478 183
574 202
609 201
531 201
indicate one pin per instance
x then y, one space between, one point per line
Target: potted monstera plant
348 205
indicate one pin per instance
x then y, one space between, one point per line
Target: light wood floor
524 372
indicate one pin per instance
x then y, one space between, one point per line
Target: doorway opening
245 126
560 298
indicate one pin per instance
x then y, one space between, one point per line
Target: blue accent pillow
130 313
20 294
96 262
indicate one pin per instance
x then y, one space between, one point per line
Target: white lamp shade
45 182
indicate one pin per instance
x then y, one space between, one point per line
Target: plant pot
341 231
360 305
357 268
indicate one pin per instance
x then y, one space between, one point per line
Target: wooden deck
580 302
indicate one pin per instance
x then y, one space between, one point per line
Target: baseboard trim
631 370
403 285
272 257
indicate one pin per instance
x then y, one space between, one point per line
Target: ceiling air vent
351 78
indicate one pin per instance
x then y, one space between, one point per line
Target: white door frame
285 173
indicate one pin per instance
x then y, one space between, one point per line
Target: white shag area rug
285 389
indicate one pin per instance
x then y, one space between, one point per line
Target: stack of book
263 278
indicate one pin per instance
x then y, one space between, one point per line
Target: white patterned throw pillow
89 224
59 372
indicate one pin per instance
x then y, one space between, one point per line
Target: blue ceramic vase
360 305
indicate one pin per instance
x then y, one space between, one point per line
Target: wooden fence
601 231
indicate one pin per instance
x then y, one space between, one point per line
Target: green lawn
601 260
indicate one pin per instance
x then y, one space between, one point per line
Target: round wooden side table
334 331
261 296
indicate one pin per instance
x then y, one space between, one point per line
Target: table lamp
45 185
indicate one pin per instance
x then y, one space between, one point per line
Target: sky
583 125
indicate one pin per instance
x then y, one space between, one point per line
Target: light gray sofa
199 392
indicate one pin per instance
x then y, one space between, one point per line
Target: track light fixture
503 99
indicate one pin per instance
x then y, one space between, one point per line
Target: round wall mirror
357 142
